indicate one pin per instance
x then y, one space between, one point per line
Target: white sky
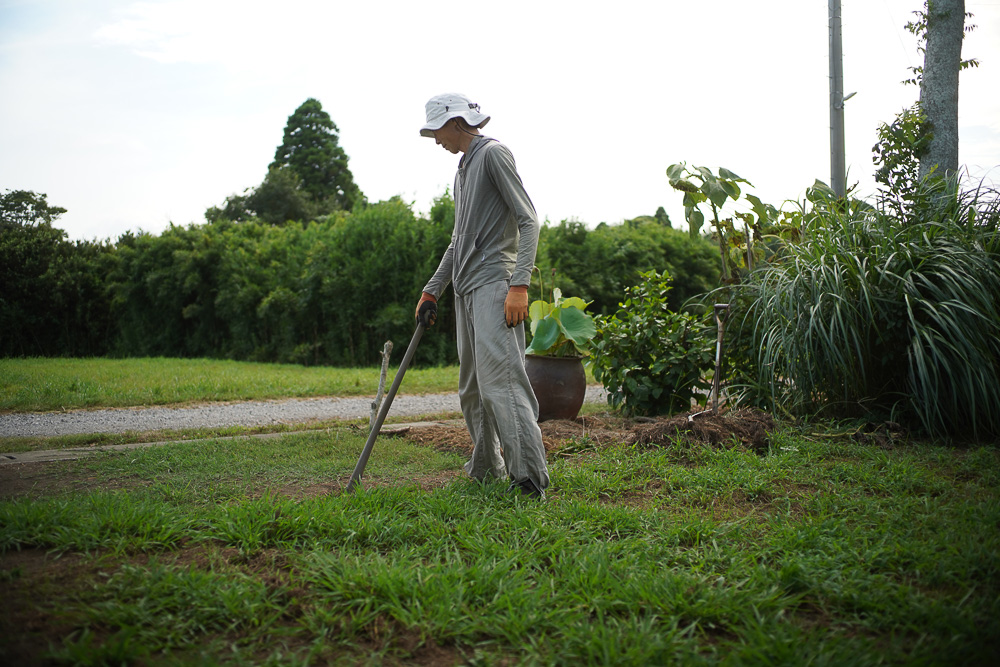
132 115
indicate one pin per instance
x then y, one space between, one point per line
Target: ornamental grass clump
876 314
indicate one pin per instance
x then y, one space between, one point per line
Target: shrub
650 359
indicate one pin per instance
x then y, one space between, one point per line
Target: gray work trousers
497 401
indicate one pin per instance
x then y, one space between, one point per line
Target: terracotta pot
560 385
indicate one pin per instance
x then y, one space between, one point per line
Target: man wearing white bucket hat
488 264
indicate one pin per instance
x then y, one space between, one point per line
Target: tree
940 27
52 295
939 88
23 208
662 217
311 150
598 265
280 198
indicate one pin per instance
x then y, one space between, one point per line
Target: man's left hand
515 306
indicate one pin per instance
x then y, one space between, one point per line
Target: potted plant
561 332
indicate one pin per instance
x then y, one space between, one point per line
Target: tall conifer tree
311 149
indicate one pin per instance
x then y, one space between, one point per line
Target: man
488 264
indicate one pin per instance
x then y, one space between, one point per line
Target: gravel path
250 413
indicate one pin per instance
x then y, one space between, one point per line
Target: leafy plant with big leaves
561 327
716 190
766 230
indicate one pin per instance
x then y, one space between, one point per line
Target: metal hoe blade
359 469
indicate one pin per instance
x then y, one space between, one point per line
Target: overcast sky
132 115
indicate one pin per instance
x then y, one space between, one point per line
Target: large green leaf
538 311
693 198
545 336
578 326
760 208
695 219
574 302
715 193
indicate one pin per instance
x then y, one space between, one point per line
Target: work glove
515 306
427 309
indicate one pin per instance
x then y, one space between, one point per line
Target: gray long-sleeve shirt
496 227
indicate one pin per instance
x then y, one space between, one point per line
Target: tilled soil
747 428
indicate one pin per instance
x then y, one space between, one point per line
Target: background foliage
598 264
330 291
300 269
309 177
53 295
326 291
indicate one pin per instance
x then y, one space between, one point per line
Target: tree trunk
939 84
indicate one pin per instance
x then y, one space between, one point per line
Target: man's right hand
427 309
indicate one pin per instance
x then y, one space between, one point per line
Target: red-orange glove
515 306
427 309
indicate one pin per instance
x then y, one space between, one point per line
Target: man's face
448 136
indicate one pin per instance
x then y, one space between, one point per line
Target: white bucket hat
442 108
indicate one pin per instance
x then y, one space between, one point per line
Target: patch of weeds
577 446
218 471
101 521
263 522
159 607
980 465
615 472
83 648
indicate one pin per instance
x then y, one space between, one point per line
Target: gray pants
497 400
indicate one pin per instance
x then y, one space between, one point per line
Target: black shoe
527 489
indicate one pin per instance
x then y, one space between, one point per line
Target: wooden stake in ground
359 469
386 352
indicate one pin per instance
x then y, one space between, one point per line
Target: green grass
44 384
56 384
241 552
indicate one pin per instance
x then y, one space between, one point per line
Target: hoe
359 469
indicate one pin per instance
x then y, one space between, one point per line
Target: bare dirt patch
37 582
33 480
746 428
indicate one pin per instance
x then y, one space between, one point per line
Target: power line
899 33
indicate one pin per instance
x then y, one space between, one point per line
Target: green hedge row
330 291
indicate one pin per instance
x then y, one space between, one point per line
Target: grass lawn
37 384
245 552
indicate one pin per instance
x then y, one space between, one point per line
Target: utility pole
838 166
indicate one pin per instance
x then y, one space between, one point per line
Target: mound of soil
748 428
